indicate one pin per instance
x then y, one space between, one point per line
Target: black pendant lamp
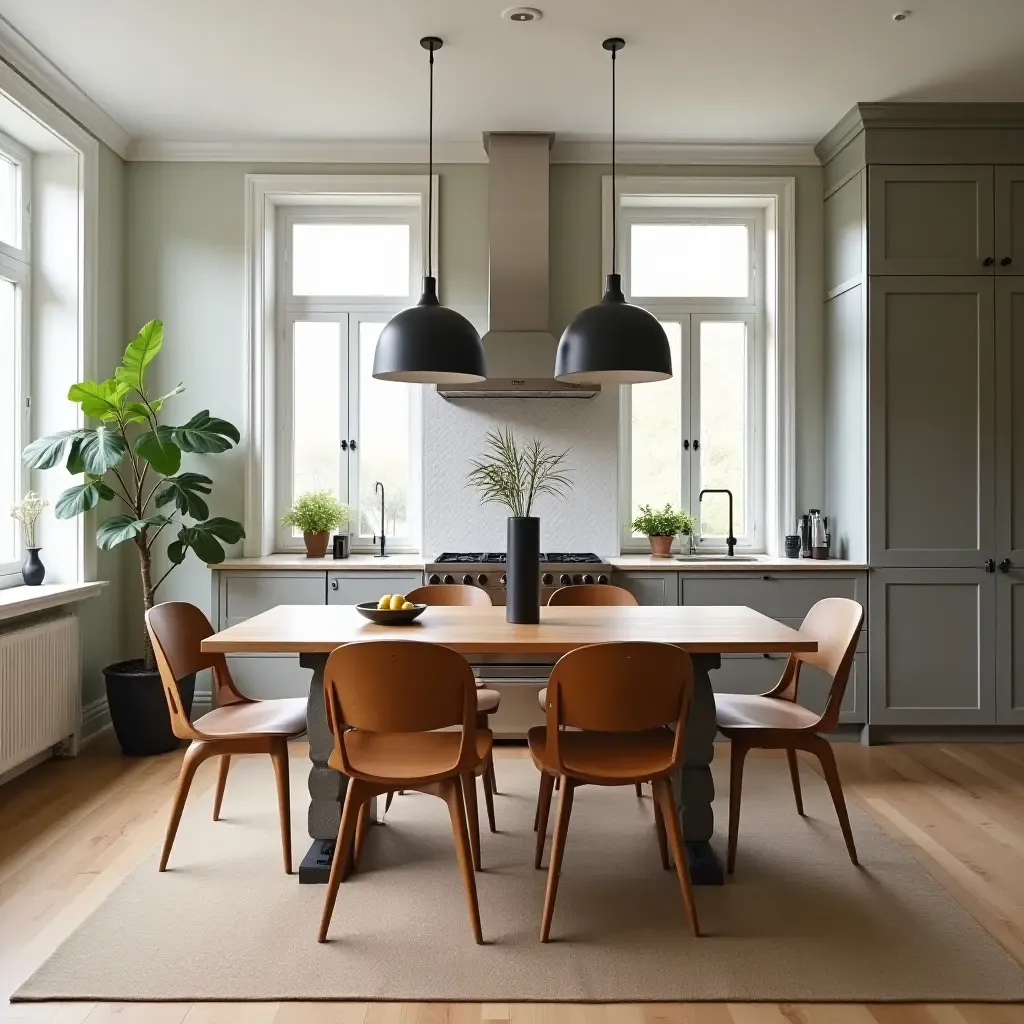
429 343
613 342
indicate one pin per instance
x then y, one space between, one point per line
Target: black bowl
369 610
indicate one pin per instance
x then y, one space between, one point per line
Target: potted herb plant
133 459
515 476
26 512
661 527
316 513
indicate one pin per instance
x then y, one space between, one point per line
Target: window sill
18 601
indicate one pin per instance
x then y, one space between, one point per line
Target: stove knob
467 580
503 580
547 579
577 579
602 578
565 579
588 578
449 578
433 578
482 579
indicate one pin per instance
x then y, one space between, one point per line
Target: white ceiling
707 71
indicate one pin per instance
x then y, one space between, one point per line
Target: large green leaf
205 434
117 529
101 400
101 449
205 538
157 447
46 452
82 497
139 354
185 491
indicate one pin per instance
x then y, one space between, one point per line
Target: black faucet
380 486
730 541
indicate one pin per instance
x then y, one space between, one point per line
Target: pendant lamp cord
615 210
430 175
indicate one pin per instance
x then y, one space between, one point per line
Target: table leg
695 788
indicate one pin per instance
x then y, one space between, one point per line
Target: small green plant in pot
661 527
133 459
316 513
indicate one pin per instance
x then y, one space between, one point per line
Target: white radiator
40 687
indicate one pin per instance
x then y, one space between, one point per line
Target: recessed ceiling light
901 16
522 14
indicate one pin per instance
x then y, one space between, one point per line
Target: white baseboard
95 718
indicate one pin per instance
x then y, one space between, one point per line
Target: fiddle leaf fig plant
132 459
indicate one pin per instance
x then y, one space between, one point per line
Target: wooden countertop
318 629
761 563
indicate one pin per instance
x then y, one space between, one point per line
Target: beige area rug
797 923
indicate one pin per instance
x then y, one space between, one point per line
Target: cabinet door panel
1010 420
932 654
245 594
930 220
1009 220
269 676
1010 653
650 587
357 587
931 421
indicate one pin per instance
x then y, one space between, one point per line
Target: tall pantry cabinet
924 267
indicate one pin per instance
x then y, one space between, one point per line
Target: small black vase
522 570
33 571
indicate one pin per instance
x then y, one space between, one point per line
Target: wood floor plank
321 1013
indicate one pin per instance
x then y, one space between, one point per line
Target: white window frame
768 204
16 266
268 309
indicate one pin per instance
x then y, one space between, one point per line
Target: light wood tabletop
700 629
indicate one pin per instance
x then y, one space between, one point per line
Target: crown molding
685 154
45 77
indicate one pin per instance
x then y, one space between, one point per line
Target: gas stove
485 569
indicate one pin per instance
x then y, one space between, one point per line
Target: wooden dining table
705 632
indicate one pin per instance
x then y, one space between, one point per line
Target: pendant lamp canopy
613 342
429 343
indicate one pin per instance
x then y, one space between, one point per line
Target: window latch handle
344 446
352 445
686 444
696 444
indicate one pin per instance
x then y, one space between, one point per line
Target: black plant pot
138 708
33 571
522 570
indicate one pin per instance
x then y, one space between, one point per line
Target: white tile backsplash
453 434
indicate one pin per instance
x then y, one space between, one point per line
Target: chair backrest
176 630
835 622
399 686
450 594
620 687
592 594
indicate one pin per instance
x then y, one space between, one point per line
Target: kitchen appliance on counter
815 535
517 678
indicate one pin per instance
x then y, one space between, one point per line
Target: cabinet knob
334 584
990 565
988 261
766 577
1005 565
1006 261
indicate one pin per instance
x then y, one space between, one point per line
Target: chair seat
407 756
743 711
286 717
611 756
487 701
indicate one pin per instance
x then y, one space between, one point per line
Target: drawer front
266 676
357 587
650 588
245 594
779 595
754 673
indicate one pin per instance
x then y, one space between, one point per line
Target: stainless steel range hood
519 347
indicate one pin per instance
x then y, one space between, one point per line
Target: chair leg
354 798
222 778
472 816
488 797
387 801
196 754
738 751
453 796
640 790
822 749
665 798
794 774
490 770
362 827
547 786
557 852
279 755
659 824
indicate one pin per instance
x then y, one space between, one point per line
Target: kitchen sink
716 558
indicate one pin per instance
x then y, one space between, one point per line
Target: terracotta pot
661 547
316 544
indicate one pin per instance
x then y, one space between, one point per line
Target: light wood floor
71 830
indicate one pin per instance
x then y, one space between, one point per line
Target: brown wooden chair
591 594
385 701
487 701
774 720
237 725
616 715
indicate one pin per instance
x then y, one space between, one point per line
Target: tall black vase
522 570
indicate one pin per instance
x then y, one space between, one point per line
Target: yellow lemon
384 603
408 606
397 600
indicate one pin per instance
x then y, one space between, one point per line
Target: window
699 268
14 282
344 271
